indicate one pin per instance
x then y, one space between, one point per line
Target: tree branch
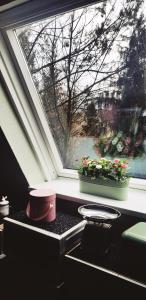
102 79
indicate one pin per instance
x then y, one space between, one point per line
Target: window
88 68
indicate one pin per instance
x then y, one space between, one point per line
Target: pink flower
116 161
85 161
123 166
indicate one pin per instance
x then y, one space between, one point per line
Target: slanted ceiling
32 10
8 4
3 2
14 2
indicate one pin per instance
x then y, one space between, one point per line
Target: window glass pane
88 68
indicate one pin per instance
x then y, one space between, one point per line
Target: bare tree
78 58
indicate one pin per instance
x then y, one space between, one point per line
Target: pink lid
42 192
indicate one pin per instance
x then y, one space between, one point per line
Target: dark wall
12 181
3 2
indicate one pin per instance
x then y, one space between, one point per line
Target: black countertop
122 257
24 237
63 222
66 217
119 257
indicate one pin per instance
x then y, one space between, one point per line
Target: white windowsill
68 189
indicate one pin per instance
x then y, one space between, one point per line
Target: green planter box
108 189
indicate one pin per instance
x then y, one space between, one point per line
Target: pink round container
42 205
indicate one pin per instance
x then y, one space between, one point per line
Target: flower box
104 188
104 178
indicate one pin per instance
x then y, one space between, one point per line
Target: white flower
114 141
120 147
98 167
120 133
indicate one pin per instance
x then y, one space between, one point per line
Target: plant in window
121 145
104 177
104 169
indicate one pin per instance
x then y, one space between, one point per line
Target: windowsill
68 189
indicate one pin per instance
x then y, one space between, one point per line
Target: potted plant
104 177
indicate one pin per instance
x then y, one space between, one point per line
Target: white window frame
35 107
25 116
44 144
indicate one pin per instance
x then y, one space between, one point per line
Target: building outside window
88 66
